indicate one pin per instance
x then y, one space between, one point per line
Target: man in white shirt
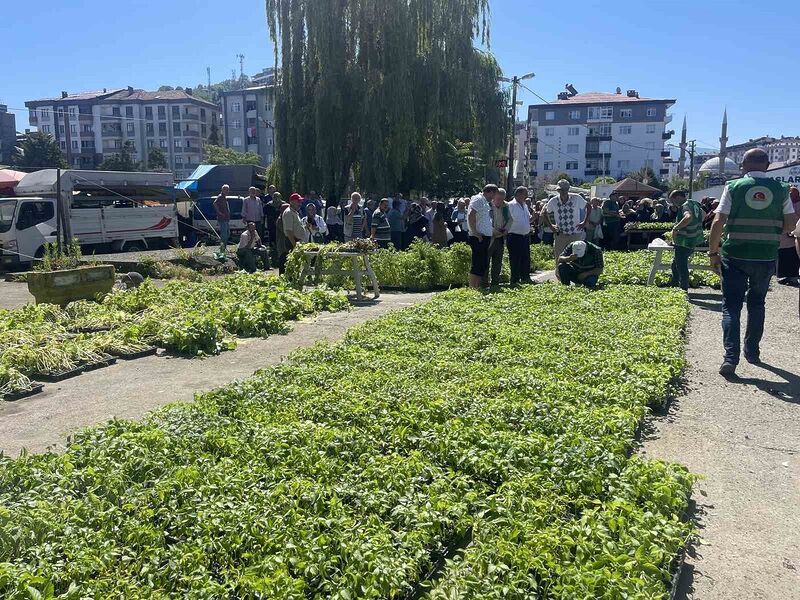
253 210
566 214
518 238
479 222
250 248
315 226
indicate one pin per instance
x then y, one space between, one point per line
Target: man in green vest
753 212
687 233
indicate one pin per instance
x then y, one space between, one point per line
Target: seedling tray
55 376
99 364
90 329
134 355
28 391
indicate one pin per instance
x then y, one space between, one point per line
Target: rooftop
121 95
80 96
603 98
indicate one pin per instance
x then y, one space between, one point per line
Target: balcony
191 117
191 133
111 132
33 120
594 172
598 138
85 115
665 154
193 149
595 154
666 135
663 171
668 118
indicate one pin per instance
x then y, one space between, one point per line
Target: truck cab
26 224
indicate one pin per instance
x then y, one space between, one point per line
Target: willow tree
375 86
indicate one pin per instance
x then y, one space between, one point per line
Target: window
250 105
574 115
176 128
176 112
87 129
72 112
115 111
651 112
572 166
34 213
177 143
623 164
203 114
151 144
73 129
162 143
549 131
251 122
604 147
60 129
148 112
236 124
549 115
162 112
625 113
129 112
149 129
63 145
178 161
237 141
236 107
46 129
87 144
548 150
74 144
548 166
572 148
573 130
203 130
162 129
130 128
624 147
651 128
599 112
651 145
625 129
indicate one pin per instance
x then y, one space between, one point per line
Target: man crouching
580 263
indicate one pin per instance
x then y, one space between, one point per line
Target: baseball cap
579 249
563 184
294 197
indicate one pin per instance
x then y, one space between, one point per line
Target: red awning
10 178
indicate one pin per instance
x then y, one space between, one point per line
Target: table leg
303 272
371 274
656 264
357 277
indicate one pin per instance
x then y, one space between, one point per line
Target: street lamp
514 81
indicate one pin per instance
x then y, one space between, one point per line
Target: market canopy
10 178
636 188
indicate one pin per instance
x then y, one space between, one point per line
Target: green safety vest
755 223
691 235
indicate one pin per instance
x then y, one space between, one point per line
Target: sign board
501 163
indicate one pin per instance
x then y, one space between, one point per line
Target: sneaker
727 369
753 360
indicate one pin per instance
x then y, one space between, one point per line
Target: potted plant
62 277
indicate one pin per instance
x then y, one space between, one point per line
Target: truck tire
134 246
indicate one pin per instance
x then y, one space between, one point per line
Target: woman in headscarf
417 226
788 261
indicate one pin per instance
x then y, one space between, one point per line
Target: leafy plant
59 258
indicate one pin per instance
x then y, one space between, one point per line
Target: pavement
743 437
129 389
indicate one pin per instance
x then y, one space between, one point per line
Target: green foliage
634 268
157 160
214 138
159 269
564 176
38 149
678 183
460 170
217 155
604 180
349 470
58 258
374 89
647 176
121 161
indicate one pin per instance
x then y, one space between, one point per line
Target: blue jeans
740 277
568 274
680 267
224 233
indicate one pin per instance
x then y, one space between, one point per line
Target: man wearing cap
518 238
567 215
580 263
293 229
754 210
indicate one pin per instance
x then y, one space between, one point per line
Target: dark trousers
519 257
740 277
495 262
680 267
567 274
397 240
612 231
247 259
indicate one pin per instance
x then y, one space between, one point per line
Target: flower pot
62 287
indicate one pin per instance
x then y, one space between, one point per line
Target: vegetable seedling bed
55 376
679 561
24 393
99 364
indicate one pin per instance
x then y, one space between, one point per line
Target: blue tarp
191 184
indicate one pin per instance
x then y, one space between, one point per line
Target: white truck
108 211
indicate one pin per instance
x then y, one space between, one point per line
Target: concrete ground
743 437
14 294
129 389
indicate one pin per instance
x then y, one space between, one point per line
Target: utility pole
515 82
208 72
241 65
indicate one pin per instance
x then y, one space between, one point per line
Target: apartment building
597 133
249 121
785 149
8 135
93 126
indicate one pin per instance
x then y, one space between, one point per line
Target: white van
108 211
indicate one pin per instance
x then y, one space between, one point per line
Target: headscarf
415 214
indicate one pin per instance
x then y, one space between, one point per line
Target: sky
708 56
